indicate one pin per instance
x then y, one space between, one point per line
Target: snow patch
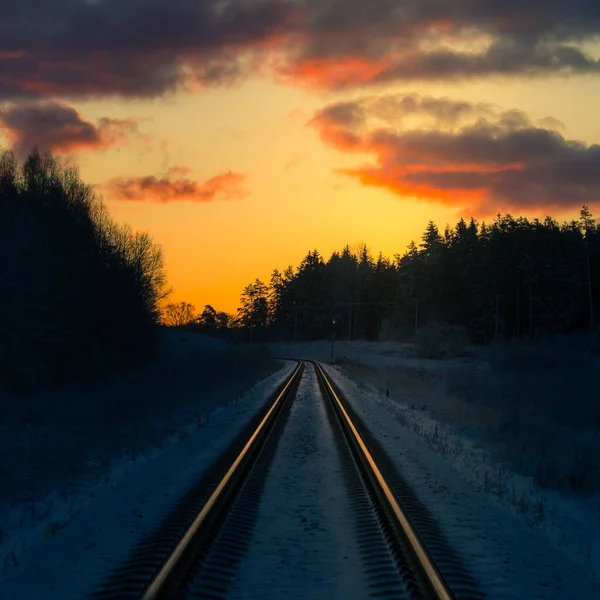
66 541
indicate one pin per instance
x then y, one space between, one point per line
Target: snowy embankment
84 472
501 447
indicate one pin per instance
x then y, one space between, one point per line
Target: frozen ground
303 546
60 450
509 560
475 434
518 424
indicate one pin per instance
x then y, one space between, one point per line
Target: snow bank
518 422
508 559
59 447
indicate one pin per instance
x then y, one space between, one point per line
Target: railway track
200 545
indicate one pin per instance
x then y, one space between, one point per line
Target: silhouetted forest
77 291
507 279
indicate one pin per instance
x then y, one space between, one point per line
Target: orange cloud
12 54
333 71
172 187
78 49
477 155
395 182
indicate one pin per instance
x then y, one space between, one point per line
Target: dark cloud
144 48
78 48
174 187
466 155
349 42
56 127
504 57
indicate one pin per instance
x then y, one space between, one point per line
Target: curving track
306 453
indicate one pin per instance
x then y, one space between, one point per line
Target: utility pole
590 296
518 312
333 323
596 337
295 320
350 322
416 316
496 325
587 225
530 313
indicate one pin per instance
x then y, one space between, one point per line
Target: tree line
510 278
78 293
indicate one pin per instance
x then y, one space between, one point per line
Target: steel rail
435 585
182 556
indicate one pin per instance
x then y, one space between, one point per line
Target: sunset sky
243 133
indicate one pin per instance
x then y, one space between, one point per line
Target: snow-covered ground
485 437
303 545
489 446
79 468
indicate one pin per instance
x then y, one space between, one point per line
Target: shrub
441 340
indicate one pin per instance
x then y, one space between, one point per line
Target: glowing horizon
241 143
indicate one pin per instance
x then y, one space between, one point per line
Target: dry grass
520 421
536 408
441 340
56 443
49 440
540 411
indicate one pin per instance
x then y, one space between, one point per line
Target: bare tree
177 314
